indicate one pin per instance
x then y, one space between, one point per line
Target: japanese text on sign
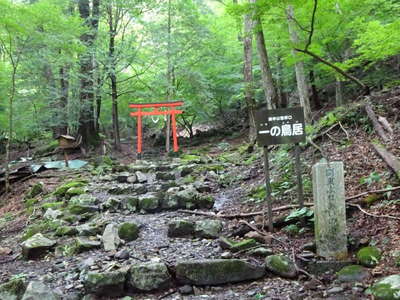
280 126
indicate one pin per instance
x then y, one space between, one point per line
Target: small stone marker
330 211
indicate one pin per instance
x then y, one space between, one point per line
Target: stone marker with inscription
330 210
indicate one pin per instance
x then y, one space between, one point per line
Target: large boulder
180 228
281 265
353 273
110 238
217 271
38 290
13 289
387 288
369 256
209 229
106 283
36 246
128 231
149 277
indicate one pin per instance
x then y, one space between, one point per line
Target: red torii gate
171 110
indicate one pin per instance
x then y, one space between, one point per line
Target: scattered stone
281 265
105 283
387 288
122 254
209 229
139 189
110 238
226 255
131 179
180 228
141 177
260 251
52 214
353 273
85 244
38 290
217 271
149 276
36 246
112 204
335 290
5 251
369 256
165 176
123 177
89 229
128 231
320 267
186 290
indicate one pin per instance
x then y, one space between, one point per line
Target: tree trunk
339 92
113 78
87 127
271 95
302 85
170 78
63 104
248 74
314 91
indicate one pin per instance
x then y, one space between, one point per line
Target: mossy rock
30 202
105 284
281 265
13 289
80 209
353 273
66 231
74 191
128 231
35 190
369 256
217 271
190 158
387 288
61 190
372 198
50 147
53 205
149 276
180 228
234 246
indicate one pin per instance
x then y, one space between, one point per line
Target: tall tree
270 90
89 12
302 84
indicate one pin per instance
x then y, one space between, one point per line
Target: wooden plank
161 104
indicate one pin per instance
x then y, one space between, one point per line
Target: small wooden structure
170 110
66 142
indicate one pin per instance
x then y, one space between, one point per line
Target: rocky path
119 233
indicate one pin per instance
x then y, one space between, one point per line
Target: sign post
280 126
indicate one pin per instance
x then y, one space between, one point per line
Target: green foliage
297 214
373 177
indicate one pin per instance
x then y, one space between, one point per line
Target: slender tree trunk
10 126
314 91
170 88
113 78
63 104
248 74
339 92
302 85
271 95
87 126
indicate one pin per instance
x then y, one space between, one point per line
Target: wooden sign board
280 126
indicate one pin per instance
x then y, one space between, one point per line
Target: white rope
155 121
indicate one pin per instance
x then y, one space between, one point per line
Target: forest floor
234 177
